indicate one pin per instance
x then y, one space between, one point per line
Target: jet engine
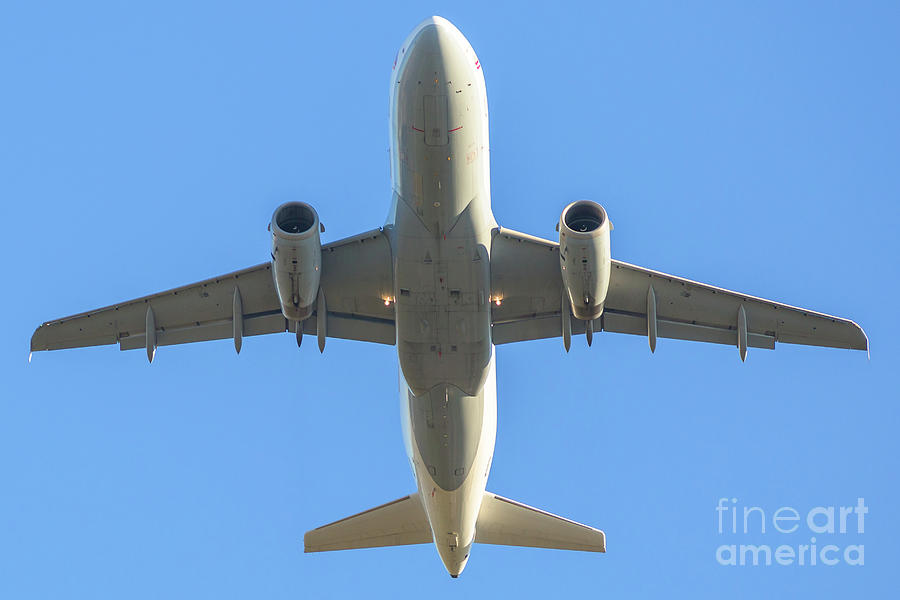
296 258
584 257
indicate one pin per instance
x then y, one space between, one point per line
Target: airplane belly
441 216
442 310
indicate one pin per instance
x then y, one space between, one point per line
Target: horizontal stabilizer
396 523
502 521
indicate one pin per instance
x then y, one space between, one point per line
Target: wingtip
865 337
34 343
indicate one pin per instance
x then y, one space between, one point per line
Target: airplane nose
436 21
434 33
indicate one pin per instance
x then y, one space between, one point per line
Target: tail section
500 521
396 523
505 522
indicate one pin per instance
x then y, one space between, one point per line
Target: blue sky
753 146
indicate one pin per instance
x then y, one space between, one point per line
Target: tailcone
454 559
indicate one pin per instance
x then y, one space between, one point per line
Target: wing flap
217 330
354 327
396 523
527 329
619 322
544 327
509 523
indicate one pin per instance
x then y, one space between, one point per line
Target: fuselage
440 226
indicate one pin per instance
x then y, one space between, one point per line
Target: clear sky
754 146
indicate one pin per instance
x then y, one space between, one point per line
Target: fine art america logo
822 535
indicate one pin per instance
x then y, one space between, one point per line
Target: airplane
445 284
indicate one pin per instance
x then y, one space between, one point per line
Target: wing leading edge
526 277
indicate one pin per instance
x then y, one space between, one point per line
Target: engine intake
296 258
584 257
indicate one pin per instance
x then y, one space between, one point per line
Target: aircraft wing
356 276
525 276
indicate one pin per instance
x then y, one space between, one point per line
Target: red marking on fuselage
417 129
477 65
457 129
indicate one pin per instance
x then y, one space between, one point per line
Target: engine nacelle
584 257
296 258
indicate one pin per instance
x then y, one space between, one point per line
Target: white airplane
445 284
